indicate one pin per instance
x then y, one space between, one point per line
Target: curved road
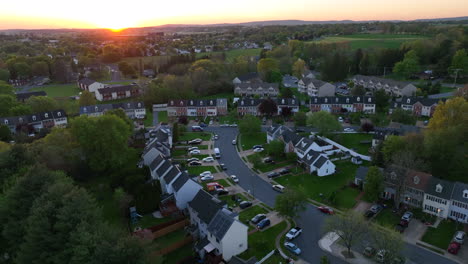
311 219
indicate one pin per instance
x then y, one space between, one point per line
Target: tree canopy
324 121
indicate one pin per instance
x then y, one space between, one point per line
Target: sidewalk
328 243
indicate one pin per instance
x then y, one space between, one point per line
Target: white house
319 163
459 203
315 88
185 190
169 178
437 197
90 85
391 87
157 162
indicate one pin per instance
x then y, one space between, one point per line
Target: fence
351 152
170 229
174 246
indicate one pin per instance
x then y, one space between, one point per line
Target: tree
268 107
381 100
286 112
287 93
373 186
460 61
87 98
300 119
350 227
121 114
275 148
324 260
123 200
148 198
266 66
335 67
255 159
409 65
358 90
392 145
364 64
403 116
324 121
250 125
357 60
22 69
175 132
5 133
126 69
462 92
103 140
392 244
40 104
291 203
40 68
367 127
7 102
7 89
4 75
298 68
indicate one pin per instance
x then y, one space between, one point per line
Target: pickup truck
293 233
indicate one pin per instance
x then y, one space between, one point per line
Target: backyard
59 90
442 235
248 141
366 41
162 116
265 167
353 141
263 242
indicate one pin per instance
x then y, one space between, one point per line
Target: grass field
345 199
366 41
263 242
232 54
442 235
387 218
248 141
353 140
149 119
59 90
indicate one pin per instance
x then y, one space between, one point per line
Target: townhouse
89 85
438 197
416 105
343 104
459 203
261 89
35 122
315 88
391 87
134 110
22 97
291 103
250 105
247 78
159 144
197 107
115 92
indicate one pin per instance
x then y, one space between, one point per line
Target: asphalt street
311 220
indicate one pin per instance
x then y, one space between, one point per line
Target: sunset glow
120 14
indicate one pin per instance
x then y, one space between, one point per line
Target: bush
148 198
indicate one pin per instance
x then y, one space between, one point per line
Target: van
217 153
279 188
197 128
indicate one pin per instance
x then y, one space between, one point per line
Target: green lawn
315 185
249 213
162 116
445 89
232 54
199 169
263 242
167 240
193 135
442 235
387 218
353 140
223 182
345 199
59 90
366 41
149 221
177 255
248 141
149 119
228 200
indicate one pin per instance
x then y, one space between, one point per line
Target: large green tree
42 104
298 68
4 75
324 121
460 62
409 65
266 66
5 88
291 203
87 98
373 186
249 125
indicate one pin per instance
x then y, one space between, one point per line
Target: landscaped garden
248 141
442 235
263 242
353 141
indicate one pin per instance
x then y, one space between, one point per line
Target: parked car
340 119
369 214
292 247
192 148
407 216
195 141
284 171
205 173
233 125
224 125
195 152
223 166
268 160
207 178
326 210
197 128
215 137
258 150
234 178
453 248
369 252
400 227
256 219
264 223
222 191
375 208
257 146
234 142
192 159
195 163
459 237
245 204
208 159
293 233
203 125
348 129
278 188
273 174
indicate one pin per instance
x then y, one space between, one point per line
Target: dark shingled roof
171 174
424 101
320 161
289 136
361 172
237 260
116 89
249 76
257 85
154 164
342 100
166 165
220 224
287 101
458 191
310 157
181 180
86 81
202 243
245 102
447 188
206 205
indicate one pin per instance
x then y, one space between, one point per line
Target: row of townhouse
107 92
391 87
434 196
218 232
312 154
35 122
315 88
134 110
197 107
250 105
342 104
417 105
261 89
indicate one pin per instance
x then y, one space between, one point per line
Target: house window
60 113
465 194
46 115
416 180
438 188
6 122
34 118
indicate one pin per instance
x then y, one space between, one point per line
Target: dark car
203 125
195 163
273 174
268 160
284 171
245 204
222 192
299 130
256 219
264 223
369 214
223 166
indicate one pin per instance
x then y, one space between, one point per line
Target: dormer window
181 103
211 102
326 100
242 102
85 110
96 108
359 99
416 180
336 99
6 122
46 115
34 118
438 188
201 102
393 175
60 113
465 194
369 100
347 100
139 105
408 101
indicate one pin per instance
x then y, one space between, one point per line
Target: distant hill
442 19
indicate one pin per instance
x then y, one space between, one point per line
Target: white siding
186 194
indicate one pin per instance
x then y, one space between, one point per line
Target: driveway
311 220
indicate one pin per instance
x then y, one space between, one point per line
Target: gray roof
361 172
246 102
201 103
289 136
315 82
206 205
304 144
154 164
220 224
202 243
33 118
249 76
171 174
310 157
342 100
86 81
447 188
287 101
320 161
257 85
374 79
424 101
181 180
90 109
164 167
117 88
458 190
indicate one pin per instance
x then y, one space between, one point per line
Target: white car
234 178
195 152
192 159
258 149
207 178
340 119
205 173
348 129
192 148
234 142
208 159
233 125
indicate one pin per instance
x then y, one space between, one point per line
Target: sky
117 14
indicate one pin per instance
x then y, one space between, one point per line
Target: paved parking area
414 231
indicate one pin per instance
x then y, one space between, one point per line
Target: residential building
197 107
166 181
90 85
337 105
291 103
259 89
459 203
317 162
22 97
248 106
33 123
250 77
115 92
391 87
437 197
416 183
380 134
290 81
315 88
160 144
185 190
219 230
134 110
360 176
416 105
308 74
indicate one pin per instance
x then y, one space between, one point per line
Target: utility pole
456 75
